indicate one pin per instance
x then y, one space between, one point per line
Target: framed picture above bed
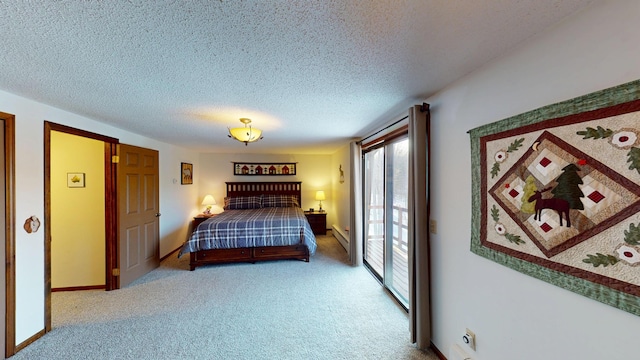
263 169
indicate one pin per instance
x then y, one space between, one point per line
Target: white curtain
355 227
419 303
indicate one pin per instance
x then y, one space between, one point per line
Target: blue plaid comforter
252 228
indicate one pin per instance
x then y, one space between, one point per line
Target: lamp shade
320 195
209 200
247 133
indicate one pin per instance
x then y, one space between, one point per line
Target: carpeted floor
324 309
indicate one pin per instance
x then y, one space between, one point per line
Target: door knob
158 214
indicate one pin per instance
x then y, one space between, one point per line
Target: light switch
433 226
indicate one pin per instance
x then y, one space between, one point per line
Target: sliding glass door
374 229
385 215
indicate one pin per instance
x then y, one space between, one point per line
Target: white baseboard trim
343 238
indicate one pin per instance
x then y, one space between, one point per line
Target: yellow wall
77 214
315 172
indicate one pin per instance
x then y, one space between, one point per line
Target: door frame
382 142
111 209
10 234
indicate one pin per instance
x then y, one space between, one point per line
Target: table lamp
320 196
208 201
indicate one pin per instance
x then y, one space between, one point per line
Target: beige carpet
288 309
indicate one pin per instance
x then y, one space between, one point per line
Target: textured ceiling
311 74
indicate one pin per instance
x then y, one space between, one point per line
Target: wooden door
7 221
3 238
138 209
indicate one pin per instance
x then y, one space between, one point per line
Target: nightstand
318 222
200 218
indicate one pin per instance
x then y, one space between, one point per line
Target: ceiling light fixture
245 134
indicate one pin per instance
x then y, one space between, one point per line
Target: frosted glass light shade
247 133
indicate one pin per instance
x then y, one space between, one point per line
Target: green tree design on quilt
598 133
634 159
495 214
529 189
600 259
632 236
568 188
514 238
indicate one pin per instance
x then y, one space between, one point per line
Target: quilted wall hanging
556 194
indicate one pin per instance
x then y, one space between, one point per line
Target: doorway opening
77 213
77 179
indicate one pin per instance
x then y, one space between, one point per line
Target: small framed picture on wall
75 180
186 173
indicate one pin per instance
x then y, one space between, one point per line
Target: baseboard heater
457 353
343 238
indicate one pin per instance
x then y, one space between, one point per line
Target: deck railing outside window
375 245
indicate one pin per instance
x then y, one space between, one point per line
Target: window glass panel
374 210
397 278
385 204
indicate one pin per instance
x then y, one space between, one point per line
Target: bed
262 221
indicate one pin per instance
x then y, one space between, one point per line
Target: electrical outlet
433 226
469 338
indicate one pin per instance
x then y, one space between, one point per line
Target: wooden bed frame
261 253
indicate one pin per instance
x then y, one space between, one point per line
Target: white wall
341 193
515 316
176 202
315 172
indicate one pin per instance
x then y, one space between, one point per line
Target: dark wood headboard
235 189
